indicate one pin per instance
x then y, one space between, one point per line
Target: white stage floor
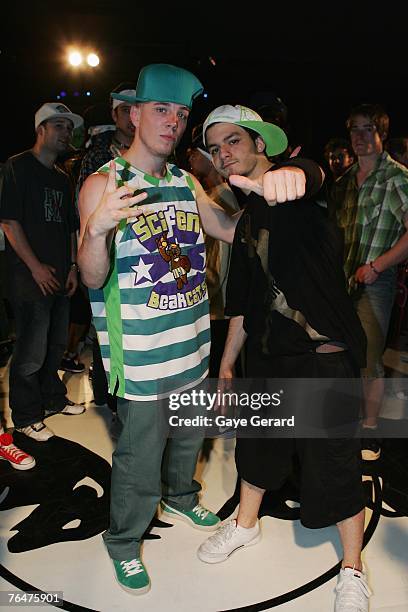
288 557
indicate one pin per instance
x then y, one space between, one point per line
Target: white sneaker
73 408
352 591
37 431
70 408
226 540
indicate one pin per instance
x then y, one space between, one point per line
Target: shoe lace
14 452
200 511
132 567
352 590
223 534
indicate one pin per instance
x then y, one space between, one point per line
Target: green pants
147 466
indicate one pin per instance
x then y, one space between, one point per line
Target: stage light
92 60
88 93
75 58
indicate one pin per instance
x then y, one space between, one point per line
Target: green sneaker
199 517
132 576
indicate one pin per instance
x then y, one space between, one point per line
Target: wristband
373 268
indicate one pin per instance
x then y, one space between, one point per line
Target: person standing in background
38 219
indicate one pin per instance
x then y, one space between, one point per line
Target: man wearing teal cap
145 266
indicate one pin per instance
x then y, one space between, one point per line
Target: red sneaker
16 457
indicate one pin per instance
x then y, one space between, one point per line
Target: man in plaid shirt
371 203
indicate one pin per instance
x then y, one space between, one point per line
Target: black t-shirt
40 199
286 265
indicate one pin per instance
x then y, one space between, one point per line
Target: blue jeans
41 339
374 306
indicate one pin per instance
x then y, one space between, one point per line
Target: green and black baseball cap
274 137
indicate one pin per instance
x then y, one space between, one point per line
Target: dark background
319 58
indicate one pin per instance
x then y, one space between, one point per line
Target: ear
135 114
114 115
39 132
260 144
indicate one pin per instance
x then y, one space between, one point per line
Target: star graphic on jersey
203 256
142 271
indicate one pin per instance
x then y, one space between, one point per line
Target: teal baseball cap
274 137
164 83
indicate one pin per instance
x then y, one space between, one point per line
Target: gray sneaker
226 540
36 431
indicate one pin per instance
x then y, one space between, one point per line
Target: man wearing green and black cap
146 270
287 299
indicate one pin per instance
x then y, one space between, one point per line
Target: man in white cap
39 222
146 270
218 252
287 299
109 141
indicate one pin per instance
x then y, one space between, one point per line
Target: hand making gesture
282 185
117 203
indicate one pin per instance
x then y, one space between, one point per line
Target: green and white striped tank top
151 315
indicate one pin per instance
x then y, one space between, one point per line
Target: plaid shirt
372 216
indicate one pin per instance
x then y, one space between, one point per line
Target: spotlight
92 60
75 58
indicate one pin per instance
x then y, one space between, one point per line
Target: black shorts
331 488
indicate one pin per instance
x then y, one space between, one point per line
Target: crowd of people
250 265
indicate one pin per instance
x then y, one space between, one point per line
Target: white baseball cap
55 109
274 137
123 92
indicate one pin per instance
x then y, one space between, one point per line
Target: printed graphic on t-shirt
275 299
179 264
173 262
53 202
